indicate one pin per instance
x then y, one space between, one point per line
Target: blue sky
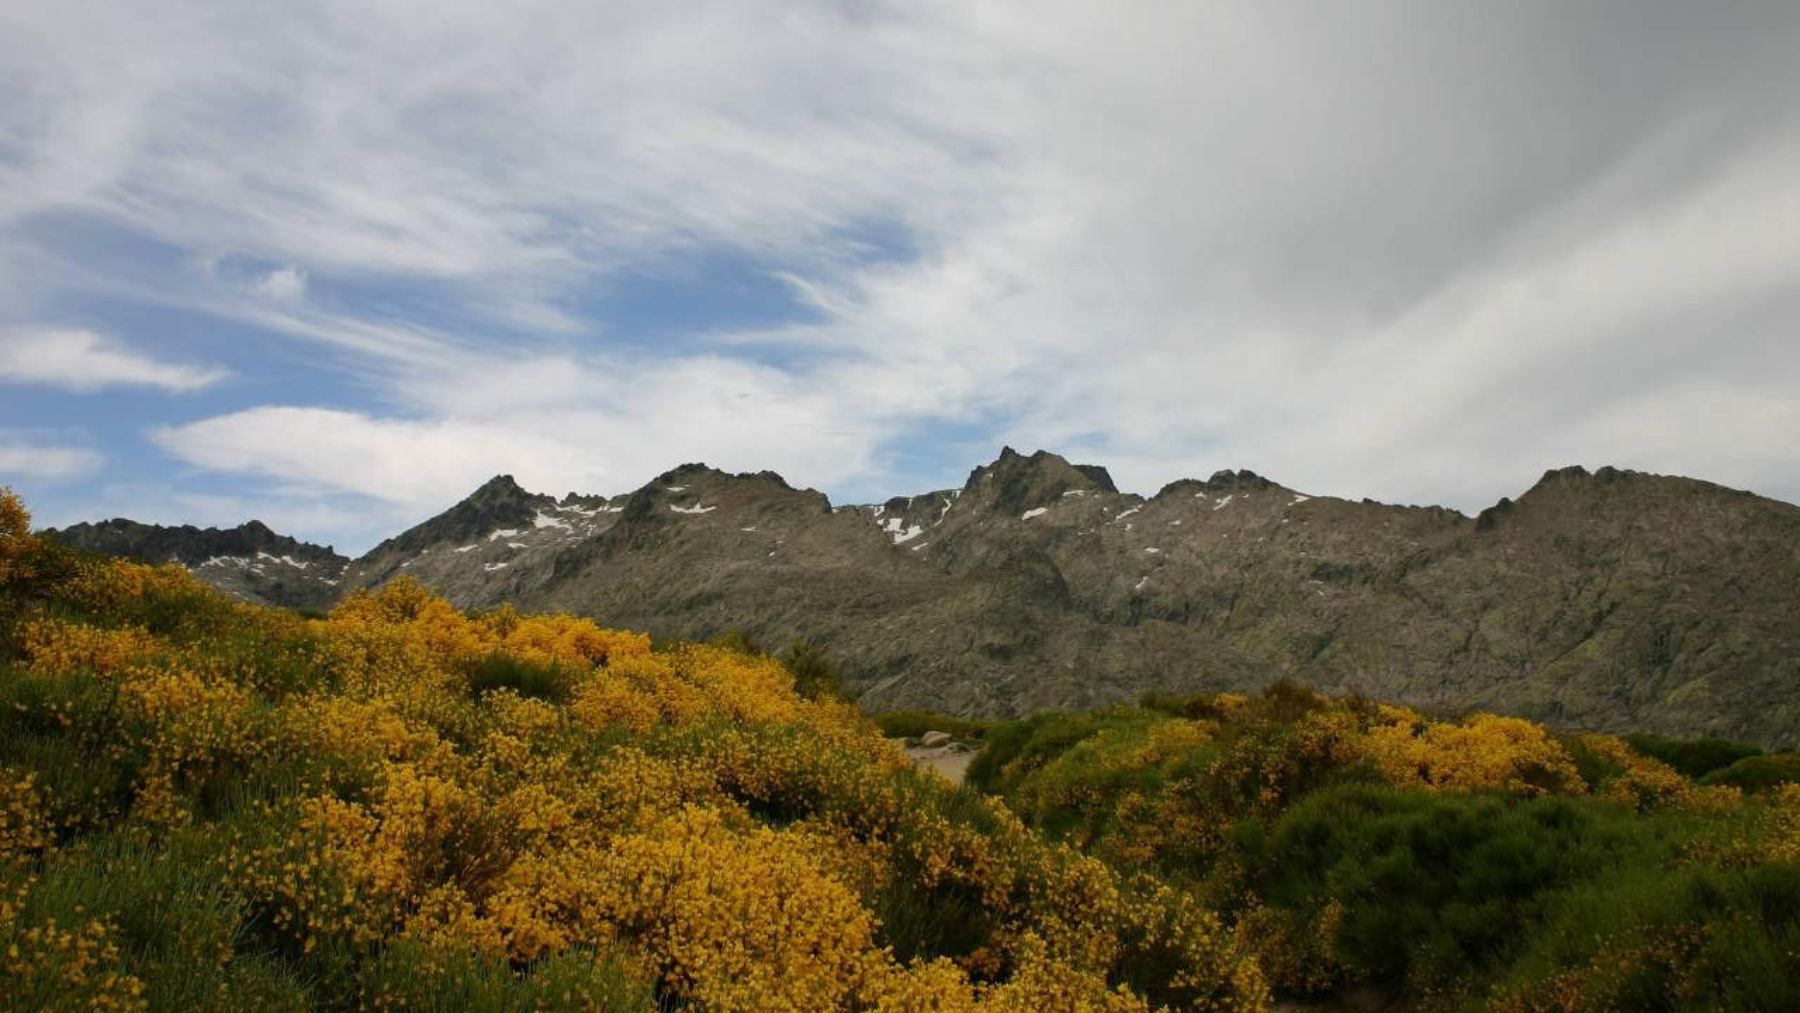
332 265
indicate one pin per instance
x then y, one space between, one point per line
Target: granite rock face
1612 599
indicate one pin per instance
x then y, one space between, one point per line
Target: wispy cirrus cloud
1404 250
82 361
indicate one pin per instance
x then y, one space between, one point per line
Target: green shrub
912 724
1688 939
735 640
1286 700
504 671
919 922
1758 773
1012 750
178 925
814 676
411 975
1197 707
1694 758
1433 887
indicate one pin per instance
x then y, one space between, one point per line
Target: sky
333 264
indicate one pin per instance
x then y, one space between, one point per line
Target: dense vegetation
1483 863
395 805
209 805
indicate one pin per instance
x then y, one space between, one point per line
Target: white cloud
556 425
399 461
29 455
284 284
81 360
1406 250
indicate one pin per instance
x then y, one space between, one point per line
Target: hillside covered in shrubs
398 805
1483 863
211 805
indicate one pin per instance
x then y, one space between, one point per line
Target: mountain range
1609 599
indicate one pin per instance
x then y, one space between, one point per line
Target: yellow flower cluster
50 966
1484 753
16 543
24 829
1784 812
1612 978
57 647
1646 784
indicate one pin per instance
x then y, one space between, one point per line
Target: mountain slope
249 561
1607 600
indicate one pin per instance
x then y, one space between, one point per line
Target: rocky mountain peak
1241 480
1223 482
1014 482
498 493
1575 476
499 504
691 469
1572 475
694 491
694 478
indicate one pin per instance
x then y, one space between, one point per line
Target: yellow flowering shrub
610 700
15 537
24 828
49 966
739 920
1784 836
57 647
362 733
1648 784
1484 753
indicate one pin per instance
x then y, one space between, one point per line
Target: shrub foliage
209 805
1470 864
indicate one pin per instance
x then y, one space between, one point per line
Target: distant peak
501 492
1572 474
186 543
1044 460
1015 482
1576 475
695 469
499 484
1222 481
499 503
683 473
1242 479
